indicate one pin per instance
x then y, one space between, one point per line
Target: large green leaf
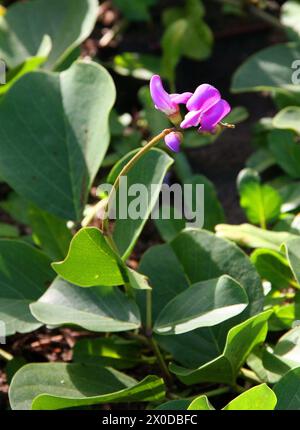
145 178
90 261
54 135
241 339
204 256
102 309
25 273
259 398
260 202
254 237
286 150
67 22
204 304
49 232
48 386
269 69
287 391
288 118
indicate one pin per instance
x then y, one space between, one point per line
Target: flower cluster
205 106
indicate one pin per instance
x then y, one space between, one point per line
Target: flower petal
191 119
181 98
160 97
203 98
173 141
214 115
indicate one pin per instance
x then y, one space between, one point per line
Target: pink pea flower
165 102
206 108
173 141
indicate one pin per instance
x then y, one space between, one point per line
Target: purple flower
167 103
173 141
206 108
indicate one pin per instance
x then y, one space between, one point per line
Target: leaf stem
162 364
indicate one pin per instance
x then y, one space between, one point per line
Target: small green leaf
201 403
204 304
261 202
25 273
273 267
101 309
135 10
259 398
290 18
48 386
90 261
8 230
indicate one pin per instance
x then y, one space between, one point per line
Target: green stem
6 355
126 169
162 364
149 312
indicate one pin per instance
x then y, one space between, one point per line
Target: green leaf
17 207
287 391
50 132
201 403
213 211
170 222
204 304
286 151
139 66
288 118
25 273
137 280
18 44
253 237
197 255
284 357
268 70
259 398
148 173
272 266
29 65
135 10
261 203
174 405
113 351
100 309
241 339
292 249
205 256
290 195
48 386
49 232
166 283
261 160
8 230
90 261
